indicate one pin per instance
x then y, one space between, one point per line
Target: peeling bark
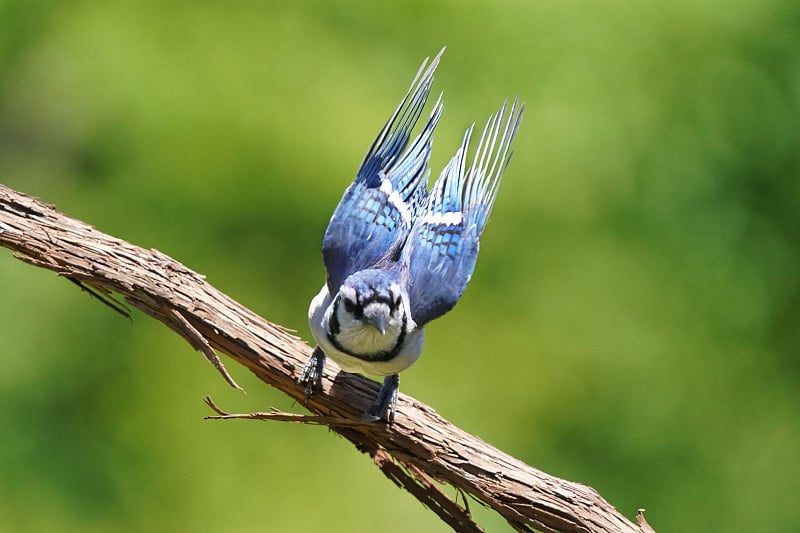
418 448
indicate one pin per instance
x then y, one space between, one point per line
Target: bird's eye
397 302
349 305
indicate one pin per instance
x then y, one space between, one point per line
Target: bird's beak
378 322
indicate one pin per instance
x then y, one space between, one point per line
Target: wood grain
417 449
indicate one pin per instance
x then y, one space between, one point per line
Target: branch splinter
201 344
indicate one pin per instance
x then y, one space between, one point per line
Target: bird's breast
408 353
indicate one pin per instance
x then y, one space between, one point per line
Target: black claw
385 406
311 376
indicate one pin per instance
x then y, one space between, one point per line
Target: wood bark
417 449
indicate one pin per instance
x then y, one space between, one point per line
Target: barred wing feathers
377 210
442 249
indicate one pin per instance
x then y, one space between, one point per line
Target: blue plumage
441 251
398 256
376 212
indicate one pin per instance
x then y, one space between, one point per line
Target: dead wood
417 449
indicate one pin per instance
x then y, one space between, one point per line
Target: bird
398 256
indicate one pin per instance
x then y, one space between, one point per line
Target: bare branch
418 448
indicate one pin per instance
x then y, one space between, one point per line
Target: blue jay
398 256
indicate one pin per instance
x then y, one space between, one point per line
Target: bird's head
373 299
369 313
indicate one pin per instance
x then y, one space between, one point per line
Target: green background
632 323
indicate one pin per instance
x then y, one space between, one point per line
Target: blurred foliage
632 322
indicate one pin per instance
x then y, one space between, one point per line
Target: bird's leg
385 404
311 376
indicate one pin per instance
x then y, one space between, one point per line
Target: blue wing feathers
387 219
376 212
442 248
394 136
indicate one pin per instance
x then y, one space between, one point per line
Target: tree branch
418 448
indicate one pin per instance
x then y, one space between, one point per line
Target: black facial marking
387 355
333 326
384 298
352 307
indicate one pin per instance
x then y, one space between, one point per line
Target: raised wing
376 212
441 251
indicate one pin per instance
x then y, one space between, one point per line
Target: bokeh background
632 323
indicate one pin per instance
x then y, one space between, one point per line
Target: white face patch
359 340
348 292
451 218
358 331
376 308
396 200
357 337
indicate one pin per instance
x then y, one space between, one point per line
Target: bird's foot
311 376
385 405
